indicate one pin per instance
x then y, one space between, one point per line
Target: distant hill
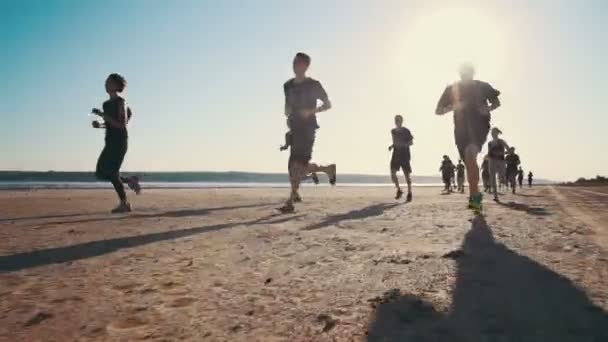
597 181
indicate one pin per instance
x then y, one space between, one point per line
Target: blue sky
205 80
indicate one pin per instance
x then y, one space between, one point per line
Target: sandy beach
351 264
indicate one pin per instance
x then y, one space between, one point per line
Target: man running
400 160
512 160
496 162
116 114
447 172
460 176
530 177
471 101
301 96
520 177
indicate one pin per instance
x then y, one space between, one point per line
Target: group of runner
470 100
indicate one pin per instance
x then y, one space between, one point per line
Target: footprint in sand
173 287
180 302
126 323
126 288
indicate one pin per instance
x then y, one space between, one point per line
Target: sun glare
437 43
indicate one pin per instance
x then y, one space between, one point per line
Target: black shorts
511 172
111 158
447 177
471 130
302 143
401 161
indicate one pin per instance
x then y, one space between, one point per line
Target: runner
301 96
496 154
460 176
512 160
116 114
402 140
485 174
471 101
454 186
312 176
447 172
520 177
530 177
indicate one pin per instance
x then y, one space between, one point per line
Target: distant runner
400 160
447 172
520 177
116 114
471 101
460 175
512 160
530 178
301 107
496 154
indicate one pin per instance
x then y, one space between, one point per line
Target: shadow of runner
358 214
538 211
86 250
167 214
499 295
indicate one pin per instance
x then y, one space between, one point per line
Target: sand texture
351 264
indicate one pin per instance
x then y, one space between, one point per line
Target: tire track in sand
588 218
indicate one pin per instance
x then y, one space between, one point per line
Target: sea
24 180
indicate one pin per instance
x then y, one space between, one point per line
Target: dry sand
351 265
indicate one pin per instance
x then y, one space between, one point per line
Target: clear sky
205 80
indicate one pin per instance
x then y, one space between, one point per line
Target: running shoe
133 184
288 208
409 197
399 194
314 178
123 207
297 198
475 202
332 174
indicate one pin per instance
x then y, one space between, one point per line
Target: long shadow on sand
538 211
529 195
86 250
166 214
499 296
44 217
357 214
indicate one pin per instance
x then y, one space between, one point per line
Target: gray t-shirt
303 96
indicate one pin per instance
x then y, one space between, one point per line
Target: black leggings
108 165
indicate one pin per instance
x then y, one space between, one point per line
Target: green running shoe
475 203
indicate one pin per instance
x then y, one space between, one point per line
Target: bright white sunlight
436 43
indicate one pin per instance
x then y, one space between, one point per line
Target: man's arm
492 96
325 103
444 105
287 108
112 122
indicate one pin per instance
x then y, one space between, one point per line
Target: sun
436 43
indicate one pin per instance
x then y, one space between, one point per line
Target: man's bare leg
470 161
396 182
408 180
296 172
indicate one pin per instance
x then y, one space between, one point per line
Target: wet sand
351 264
